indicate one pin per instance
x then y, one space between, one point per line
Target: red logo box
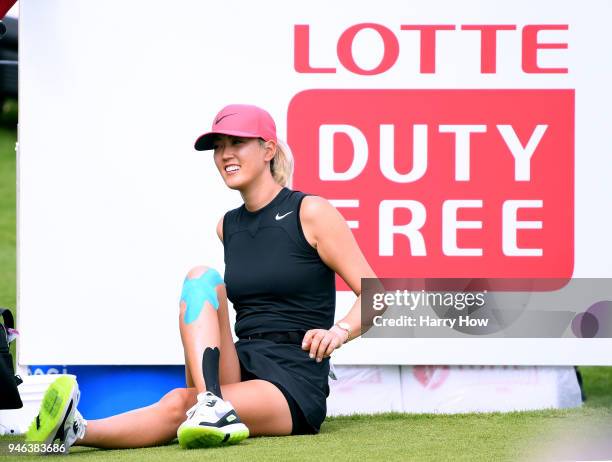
444 183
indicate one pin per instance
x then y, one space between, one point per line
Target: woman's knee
175 404
196 272
200 286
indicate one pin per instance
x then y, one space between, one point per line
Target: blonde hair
281 164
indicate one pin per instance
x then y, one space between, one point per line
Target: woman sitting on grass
283 249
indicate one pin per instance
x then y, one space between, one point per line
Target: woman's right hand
322 342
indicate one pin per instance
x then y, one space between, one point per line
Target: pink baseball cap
239 120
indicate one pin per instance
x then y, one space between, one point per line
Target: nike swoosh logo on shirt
280 217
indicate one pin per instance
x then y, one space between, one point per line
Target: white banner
115 206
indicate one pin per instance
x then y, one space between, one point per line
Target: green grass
473 437
470 437
8 269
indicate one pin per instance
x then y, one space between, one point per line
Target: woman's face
240 160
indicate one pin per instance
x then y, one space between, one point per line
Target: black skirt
302 380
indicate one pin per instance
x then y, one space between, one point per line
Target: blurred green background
8 209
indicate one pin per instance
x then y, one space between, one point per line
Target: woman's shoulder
316 209
312 203
305 197
227 218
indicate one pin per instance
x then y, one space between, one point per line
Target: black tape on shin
210 368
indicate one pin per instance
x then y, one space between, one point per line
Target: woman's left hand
322 342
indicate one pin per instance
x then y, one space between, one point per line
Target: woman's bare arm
327 231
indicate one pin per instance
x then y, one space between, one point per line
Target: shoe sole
205 437
60 398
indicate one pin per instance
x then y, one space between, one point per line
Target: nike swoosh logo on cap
280 217
223 117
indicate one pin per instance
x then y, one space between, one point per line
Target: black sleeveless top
273 276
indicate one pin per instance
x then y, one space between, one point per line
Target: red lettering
301 52
531 47
428 50
345 49
428 45
488 45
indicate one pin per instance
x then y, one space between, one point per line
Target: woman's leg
211 328
260 405
148 426
204 325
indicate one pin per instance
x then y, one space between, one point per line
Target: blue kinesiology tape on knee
198 291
